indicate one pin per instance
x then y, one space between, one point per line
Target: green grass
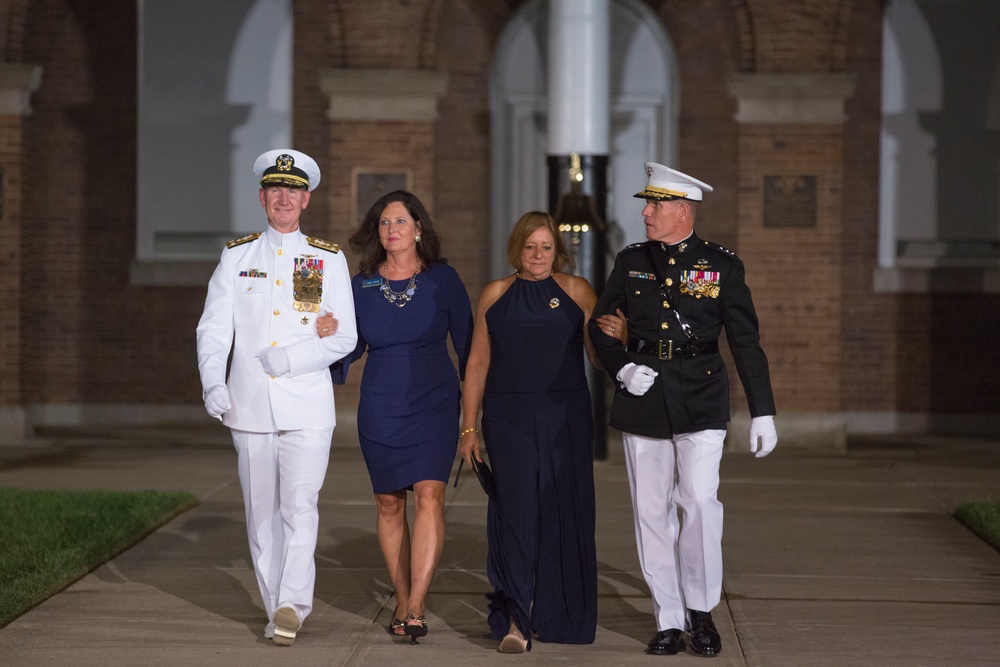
49 539
982 518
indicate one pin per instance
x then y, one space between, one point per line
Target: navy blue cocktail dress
538 430
408 412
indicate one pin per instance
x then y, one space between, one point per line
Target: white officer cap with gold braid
286 167
666 183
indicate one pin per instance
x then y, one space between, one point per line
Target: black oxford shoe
666 642
705 638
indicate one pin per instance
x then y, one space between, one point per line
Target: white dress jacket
252 305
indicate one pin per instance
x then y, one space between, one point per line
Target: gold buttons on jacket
274 343
664 325
280 252
666 304
277 312
671 261
278 282
669 281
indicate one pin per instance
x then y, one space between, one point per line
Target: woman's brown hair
525 227
365 242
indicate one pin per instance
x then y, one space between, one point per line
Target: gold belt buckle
670 350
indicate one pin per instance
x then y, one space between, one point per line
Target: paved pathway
838 560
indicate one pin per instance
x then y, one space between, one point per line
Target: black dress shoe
705 638
666 642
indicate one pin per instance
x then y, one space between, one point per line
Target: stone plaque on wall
370 184
789 201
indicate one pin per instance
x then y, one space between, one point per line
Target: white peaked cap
287 167
666 183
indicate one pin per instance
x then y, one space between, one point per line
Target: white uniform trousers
678 520
281 474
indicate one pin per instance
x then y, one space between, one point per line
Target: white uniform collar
276 239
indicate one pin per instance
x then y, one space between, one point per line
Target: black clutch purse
485 477
483 474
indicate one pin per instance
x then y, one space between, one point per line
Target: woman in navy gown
407 301
526 370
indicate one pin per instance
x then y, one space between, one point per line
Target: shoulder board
245 239
718 248
320 243
635 246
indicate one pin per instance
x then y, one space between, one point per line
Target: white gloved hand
217 401
274 360
636 379
762 430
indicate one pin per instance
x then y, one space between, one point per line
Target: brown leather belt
671 349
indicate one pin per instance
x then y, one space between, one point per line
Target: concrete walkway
840 560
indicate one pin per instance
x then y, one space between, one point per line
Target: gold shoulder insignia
320 243
245 239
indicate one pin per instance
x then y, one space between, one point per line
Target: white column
578 91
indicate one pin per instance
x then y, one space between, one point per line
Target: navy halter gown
538 430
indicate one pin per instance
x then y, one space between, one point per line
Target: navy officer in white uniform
263 301
678 292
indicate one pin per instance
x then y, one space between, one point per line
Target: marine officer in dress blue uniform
263 301
671 402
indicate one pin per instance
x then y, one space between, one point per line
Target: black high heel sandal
416 626
397 628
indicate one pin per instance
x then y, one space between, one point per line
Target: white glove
762 429
274 360
217 401
636 379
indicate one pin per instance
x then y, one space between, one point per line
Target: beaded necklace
398 299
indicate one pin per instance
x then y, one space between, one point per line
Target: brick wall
75 331
707 132
462 156
88 336
10 269
869 380
795 273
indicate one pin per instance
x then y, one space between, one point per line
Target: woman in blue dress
526 370
407 301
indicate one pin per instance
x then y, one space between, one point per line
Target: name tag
371 282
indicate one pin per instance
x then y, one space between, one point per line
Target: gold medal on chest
307 284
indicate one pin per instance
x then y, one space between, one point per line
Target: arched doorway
940 153
644 95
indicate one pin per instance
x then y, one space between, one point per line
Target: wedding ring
612 328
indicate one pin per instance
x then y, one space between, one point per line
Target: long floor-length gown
538 431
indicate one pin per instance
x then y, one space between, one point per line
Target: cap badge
285 162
